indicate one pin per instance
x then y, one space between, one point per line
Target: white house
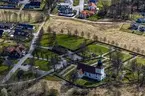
96 73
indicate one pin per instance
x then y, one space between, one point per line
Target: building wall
101 71
92 76
80 75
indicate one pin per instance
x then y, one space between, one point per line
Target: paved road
81 20
22 60
24 2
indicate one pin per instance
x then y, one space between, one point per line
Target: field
25 16
70 42
43 65
111 31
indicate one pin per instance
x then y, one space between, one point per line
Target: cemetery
89 45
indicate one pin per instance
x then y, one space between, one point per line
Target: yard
43 53
84 81
141 60
70 42
3 69
98 49
43 65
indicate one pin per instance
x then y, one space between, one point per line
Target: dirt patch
25 16
41 87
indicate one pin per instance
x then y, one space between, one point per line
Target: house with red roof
15 51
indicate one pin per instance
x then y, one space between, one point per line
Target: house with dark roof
5 25
96 73
1 33
11 4
24 26
33 5
11 1
21 33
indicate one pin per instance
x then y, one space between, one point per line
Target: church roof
87 68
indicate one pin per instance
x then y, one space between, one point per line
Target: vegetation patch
43 65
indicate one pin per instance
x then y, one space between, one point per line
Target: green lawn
3 69
91 62
125 56
98 49
52 78
44 52
44 40
70 42
87 82
141 60
43 65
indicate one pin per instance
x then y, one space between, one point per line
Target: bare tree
116 61
142 51
82 34
95 38
84 48
113 42
69 33
76 32
49 29
143 76
88 35
125 46
104 39
138 50
133 66
61 31
52 39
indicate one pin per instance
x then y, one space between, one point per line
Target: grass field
98 49
52 78
43 65
3 69
70 42
125 56
43 52
141 60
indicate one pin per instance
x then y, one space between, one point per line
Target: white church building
96 73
